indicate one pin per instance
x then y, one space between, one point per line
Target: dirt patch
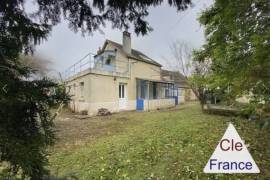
73 131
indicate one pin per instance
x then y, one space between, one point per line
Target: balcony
104 63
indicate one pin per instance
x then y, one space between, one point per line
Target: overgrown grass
174 144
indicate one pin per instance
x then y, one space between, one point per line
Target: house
184 93
119 78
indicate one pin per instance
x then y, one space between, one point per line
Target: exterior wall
189 95
102 90
181 96
193 96
144 70
73 87
158 104
181 99
122 62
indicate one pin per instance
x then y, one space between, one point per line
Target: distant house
180 81
119 78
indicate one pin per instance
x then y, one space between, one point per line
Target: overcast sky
65 47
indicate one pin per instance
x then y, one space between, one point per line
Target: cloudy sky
65 47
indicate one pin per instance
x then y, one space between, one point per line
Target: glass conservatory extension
148 89
155 93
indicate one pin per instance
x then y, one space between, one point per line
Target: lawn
165 144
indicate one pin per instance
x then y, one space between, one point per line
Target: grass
168 144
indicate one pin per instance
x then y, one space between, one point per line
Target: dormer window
108 61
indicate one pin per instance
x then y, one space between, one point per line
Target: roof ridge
122 45
136 54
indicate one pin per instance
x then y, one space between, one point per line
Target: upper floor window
105 60
108 61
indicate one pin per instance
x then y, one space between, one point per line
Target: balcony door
122 96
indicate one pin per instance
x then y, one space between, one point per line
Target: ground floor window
81 89
121 91
142 89
154 90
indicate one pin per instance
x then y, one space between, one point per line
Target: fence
87 62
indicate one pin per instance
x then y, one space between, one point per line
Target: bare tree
185 61
182 58
198 80
39 64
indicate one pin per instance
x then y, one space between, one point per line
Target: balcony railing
96 64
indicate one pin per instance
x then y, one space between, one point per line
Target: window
166 92
154 90
121 91
142 89
108 61
179 92
169 90
81 88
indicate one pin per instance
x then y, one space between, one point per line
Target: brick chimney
127 42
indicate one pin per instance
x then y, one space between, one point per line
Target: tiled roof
135 54
176 77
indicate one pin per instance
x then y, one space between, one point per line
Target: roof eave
154 63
